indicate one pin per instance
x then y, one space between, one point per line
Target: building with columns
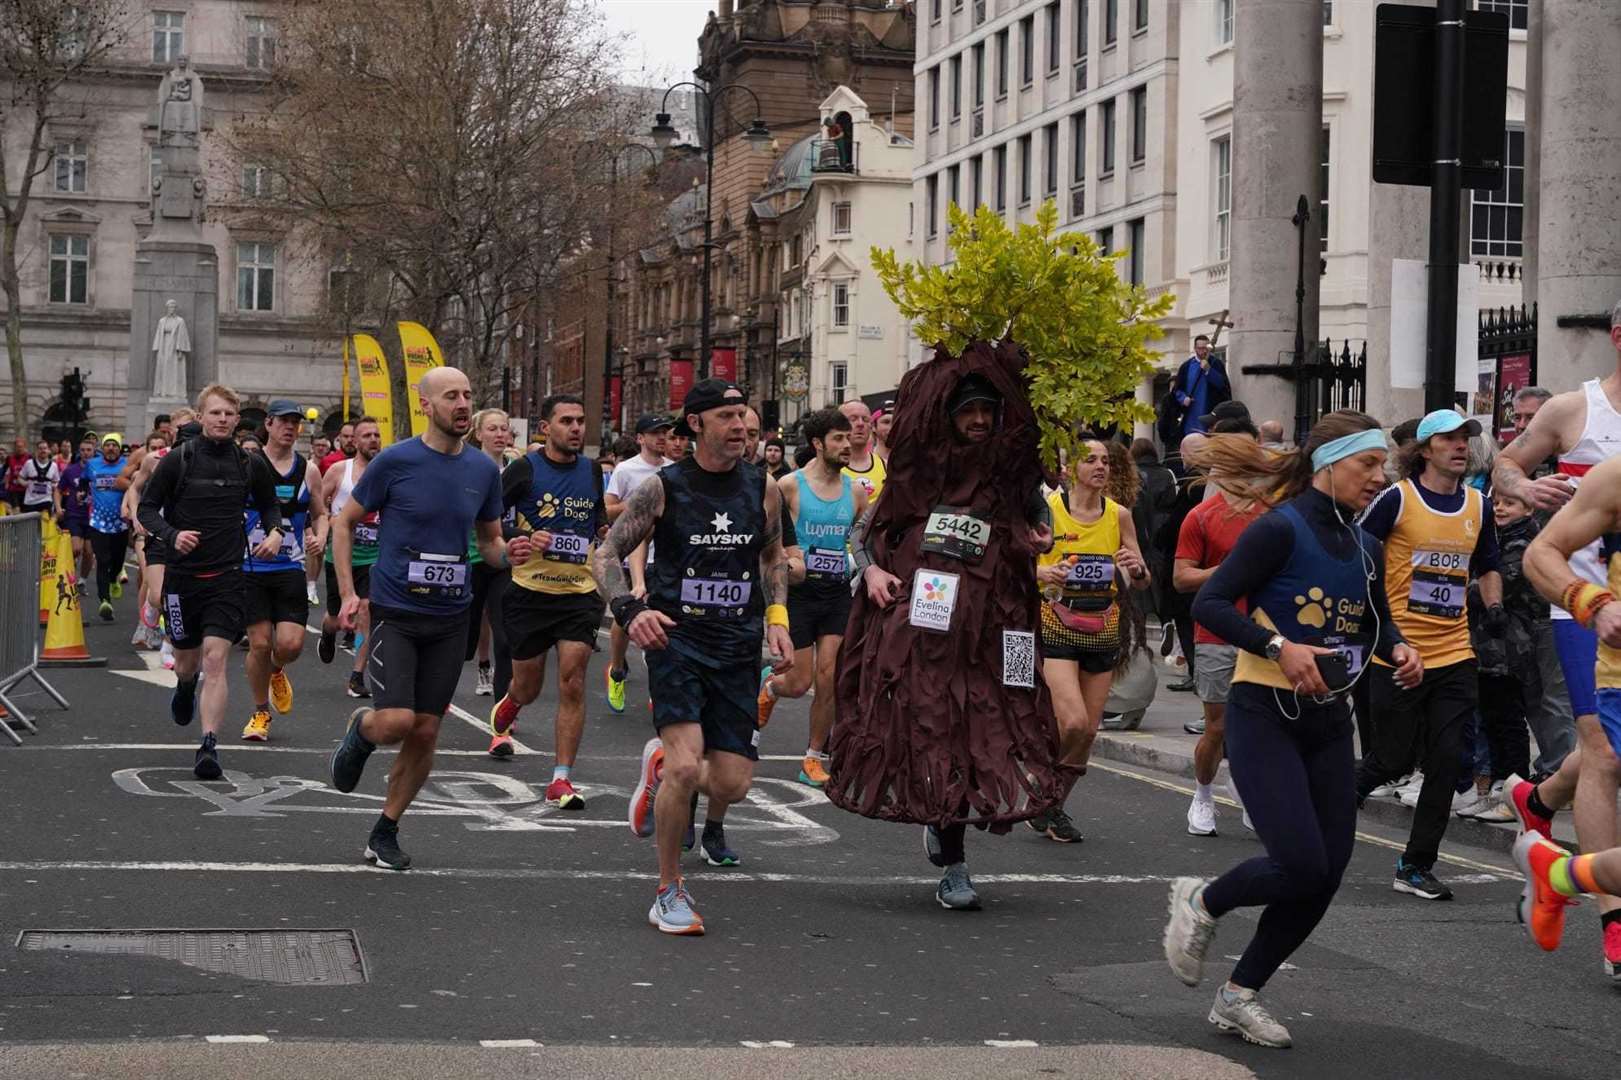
93 204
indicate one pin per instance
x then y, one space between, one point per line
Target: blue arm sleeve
1217 376
1263 549
1380 516
1487 556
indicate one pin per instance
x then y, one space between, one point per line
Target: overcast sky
663 36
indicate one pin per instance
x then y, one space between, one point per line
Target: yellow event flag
421 355
374 388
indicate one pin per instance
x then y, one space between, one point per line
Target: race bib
443 576
38 492
291 543
1440 585
1355 655
366 533
713 596
957 534
106 483
934 599
1090 574
825 563
567 548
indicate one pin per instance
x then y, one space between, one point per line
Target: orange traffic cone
64 629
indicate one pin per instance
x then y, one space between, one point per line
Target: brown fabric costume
926 733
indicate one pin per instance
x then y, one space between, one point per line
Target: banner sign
723 364
616 401
1513 375
680 383
421 356
375 396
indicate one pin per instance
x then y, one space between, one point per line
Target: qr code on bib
1018 658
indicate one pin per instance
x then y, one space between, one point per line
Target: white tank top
1600 441
345 485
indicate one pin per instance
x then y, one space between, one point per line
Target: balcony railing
827 156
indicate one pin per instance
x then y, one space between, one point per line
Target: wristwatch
1274 647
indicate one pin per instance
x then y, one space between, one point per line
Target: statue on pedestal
178 191
171 346
180 107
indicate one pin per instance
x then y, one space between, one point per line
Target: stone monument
174 307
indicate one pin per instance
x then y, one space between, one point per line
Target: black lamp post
664 134
613 277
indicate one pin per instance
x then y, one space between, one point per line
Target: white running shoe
1389 789
168 655
1202 817
486 683
1243 1014
1412 785
1189 932
310 594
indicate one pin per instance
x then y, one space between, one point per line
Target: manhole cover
288 957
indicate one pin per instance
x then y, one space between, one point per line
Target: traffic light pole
1446 193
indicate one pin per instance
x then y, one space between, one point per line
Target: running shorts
1091 661
1577 647
1609 716
815 614
155 550
78 526
1213 671
535 621
717 696
277 597
334 598
416 659
199 607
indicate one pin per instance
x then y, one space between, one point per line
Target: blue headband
1346 445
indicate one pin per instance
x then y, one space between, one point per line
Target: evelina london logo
1314 608
935 590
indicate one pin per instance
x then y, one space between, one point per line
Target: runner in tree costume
929 731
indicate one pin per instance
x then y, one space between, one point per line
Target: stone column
1579 209
1533 150
186 272
1277 131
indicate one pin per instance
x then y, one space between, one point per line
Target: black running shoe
357 685
183 705
349 640
1420 883
208 760
327 647
383 850
349 759
1061 828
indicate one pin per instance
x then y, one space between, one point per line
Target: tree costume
927 731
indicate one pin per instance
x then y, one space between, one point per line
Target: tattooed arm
630 530
774 579
882 586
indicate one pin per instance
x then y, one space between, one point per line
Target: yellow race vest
873 479
1427 574
1088 550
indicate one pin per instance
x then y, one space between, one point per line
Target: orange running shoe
813 772
647 789
1542 907
766 701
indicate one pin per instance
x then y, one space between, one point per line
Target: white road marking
774 1044
1011 1044
539 874
155 673
238 1038
504 1044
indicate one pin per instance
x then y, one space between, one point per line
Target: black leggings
110 549
1297 778
489 585
1504 704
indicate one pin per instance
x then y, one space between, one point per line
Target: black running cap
705 395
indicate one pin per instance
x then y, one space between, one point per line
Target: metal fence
20 541
1336 379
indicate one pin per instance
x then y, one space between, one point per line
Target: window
1222 151
956 86
1083 16
1027 50
1139 15
951 190
1053 39
841 304
168 36
1224 22
261 45
1518 11
1136 234
1077 149
1139 125
1001 178
841 381
70 269
931 207
934 98
255 181
72 166
934 10
1322 178
979 75
1328 11
976 179
1024 170
1106 241
841 219
255 277
1111 21
1001 64
1049 141
1496 218
1106 137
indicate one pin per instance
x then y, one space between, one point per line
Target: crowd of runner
1420 593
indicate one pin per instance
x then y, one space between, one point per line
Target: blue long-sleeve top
1196 392
1263 550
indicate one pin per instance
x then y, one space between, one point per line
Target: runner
276 605
491 433
882 421
557 496
939 662
652 432
345 447
866 467
1554 562
75 488
751 437
1583 428
1317 607
193 503
152 450
774 463
186 427
1206 538
337 486
429 491
1439 534
109 532
823 503
40 478
1094 541
720 569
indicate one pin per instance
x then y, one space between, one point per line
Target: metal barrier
20 539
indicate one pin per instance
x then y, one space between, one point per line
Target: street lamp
613 276
757 135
